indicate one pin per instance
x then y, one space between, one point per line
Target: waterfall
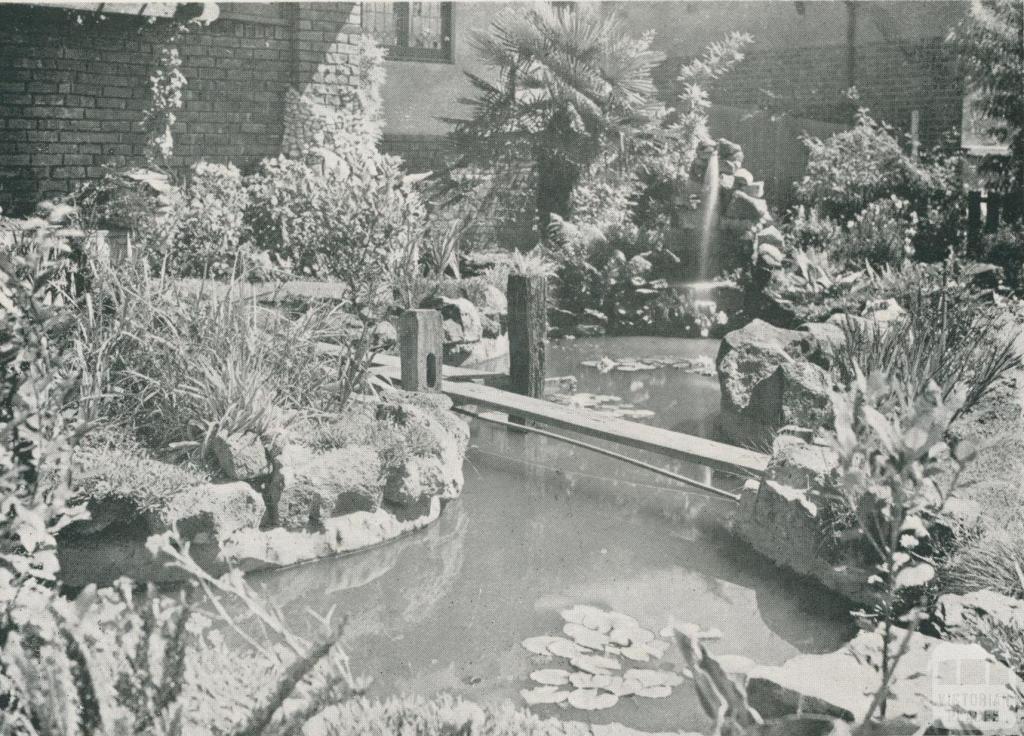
708 218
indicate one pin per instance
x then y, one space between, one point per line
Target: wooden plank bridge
485 389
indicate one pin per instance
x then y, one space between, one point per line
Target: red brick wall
72 93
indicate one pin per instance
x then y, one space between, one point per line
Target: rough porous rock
460 318
823 341
474 353
750 355
255 550
767 378
491 300
241 456
744 207
783 517
217 510
307 487
960 615
771 236
769 256
419 477
805 397
842 684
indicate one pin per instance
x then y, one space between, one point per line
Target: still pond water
542 526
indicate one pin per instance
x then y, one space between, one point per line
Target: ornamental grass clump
948 337
180 365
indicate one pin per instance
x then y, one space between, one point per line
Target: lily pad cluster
702 365
604 403
596 644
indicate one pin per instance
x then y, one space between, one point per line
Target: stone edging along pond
274 507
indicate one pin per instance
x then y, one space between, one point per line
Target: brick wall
73 88
891 79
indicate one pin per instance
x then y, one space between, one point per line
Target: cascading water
709 215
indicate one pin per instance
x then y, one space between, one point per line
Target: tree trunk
556 179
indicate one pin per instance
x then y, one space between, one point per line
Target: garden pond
541 527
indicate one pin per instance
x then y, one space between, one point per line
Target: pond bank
382 469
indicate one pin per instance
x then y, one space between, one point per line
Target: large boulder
308 488
788 518
750 355
931 679
766 378
214 510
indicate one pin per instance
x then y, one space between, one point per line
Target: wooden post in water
527 333
421 344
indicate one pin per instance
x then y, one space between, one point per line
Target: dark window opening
415 31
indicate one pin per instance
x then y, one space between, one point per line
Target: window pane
381 20
425 28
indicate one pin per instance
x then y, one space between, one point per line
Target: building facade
75 78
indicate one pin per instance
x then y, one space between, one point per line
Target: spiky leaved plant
570 83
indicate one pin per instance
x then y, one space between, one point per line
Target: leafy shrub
991 52
206 237
1005 248
889 481
38 428
354 222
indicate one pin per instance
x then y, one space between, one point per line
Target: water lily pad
621 687
620 637
578 613
590 699
598 621
564 648
658 691
622 621
653 678
581 679
545 694
585 680
539 644
640 635
636 653
585 637
595 664
550 677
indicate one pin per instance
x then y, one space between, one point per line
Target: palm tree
571 83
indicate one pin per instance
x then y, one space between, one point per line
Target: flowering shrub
809 231
882 233
854 168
